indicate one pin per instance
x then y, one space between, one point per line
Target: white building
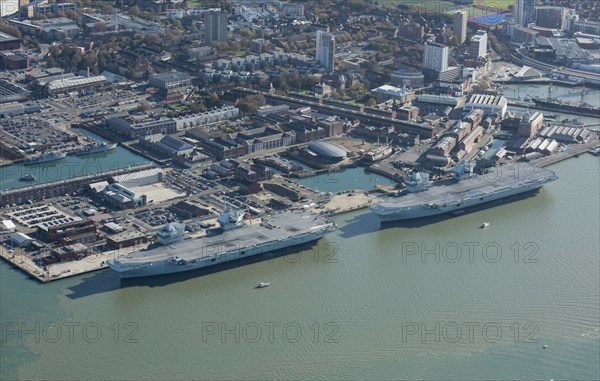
478 46
490 104
459 29
325 49
524 12
8 7
207 117
294 10
435 57
141 178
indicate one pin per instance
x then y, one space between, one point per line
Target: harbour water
70 166
352 306
346 179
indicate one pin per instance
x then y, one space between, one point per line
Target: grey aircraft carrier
464 191
236 238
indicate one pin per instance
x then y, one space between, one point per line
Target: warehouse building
63 86
166 145
8 42
119 197
490 104
20 239
126 239
141 129
141 178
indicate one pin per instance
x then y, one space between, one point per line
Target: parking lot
31 216
28 133
155 216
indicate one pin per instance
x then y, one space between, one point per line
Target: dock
60 270
574 150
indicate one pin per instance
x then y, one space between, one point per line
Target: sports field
479 7
500 4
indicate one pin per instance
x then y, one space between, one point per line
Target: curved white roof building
328 150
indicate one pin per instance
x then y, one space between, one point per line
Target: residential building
459 30
520 33
405 78
325 50
524 12
551 17
412 30
435 57
206 118
294 10
43 7
215 26
8 7
478 47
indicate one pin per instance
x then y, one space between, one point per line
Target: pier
574 150
60 270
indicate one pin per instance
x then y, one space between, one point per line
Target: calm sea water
353 306
68 167
349 178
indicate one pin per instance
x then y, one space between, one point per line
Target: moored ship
96 148
464 191
378 153
235 238
45 157
562 106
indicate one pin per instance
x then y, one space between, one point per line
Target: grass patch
177 107
497 4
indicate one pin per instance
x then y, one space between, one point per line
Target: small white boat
545 346
485 225
263 284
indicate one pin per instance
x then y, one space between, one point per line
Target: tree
197 107
9 29
144 105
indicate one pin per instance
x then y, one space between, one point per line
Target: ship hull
45 160
421 212
448 196
163 267
567 108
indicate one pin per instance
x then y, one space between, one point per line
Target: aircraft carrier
464 191
236 238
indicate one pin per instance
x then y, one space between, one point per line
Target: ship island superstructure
464 190
96 148
236 238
